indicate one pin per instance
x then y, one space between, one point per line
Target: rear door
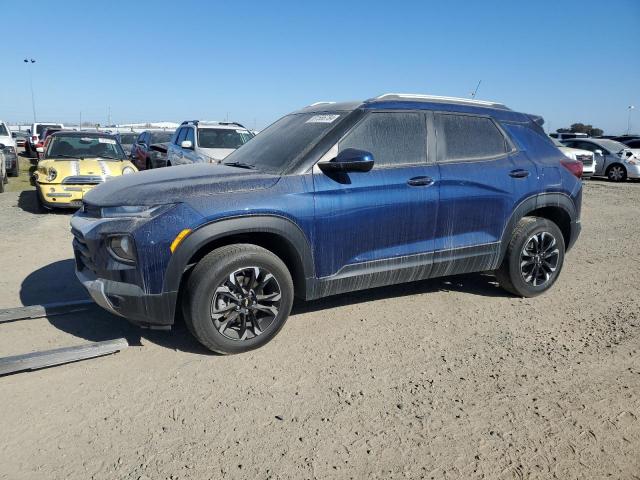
384 219
482 178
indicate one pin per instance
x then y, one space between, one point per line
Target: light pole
629 108
31 61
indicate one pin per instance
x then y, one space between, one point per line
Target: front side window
222 138
393 138
181 134
190 137
465 137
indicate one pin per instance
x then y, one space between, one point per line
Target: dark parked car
332 198
150 149
632 143
20 138
127 140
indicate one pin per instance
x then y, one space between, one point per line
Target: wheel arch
556 207
277 234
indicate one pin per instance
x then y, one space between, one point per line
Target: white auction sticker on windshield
110 141
322 119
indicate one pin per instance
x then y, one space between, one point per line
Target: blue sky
149 60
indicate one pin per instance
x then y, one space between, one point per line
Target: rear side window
392 138
465 137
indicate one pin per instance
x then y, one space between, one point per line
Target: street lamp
31 61
629 108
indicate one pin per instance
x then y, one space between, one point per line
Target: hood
176 184
8 141
87 167
217 153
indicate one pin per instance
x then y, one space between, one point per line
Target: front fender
206 234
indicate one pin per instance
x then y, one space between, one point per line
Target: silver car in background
614 160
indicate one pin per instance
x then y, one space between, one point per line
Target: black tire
211 275
616 173
516 274
15 171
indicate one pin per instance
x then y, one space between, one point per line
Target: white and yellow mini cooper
72 163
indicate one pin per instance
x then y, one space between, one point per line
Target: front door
371 222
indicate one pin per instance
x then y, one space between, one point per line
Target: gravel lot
447 378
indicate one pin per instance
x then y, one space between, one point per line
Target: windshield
128 138
3 130
222 138
62 147
161 137
40 128
612 145
285 141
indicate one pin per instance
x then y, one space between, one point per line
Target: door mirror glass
349 160
186 144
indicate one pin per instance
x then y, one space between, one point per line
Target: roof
213 123
75 133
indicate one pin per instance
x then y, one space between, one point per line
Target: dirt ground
447 378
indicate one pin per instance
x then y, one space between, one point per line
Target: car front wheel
533 259
237 298
617 173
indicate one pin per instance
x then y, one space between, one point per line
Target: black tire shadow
57 282
28 201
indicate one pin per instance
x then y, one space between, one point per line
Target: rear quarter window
466 137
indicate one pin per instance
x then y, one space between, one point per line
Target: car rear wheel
237 298
617 173
534 257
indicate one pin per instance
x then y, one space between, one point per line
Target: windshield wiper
240 165
109 158
75 157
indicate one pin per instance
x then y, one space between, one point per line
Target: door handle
422 181
519 173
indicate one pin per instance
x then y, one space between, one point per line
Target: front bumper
130 301
633 171
57 195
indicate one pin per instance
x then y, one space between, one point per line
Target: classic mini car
73 163
332 198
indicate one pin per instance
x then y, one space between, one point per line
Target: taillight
573 166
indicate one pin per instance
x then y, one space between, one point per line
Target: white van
34 135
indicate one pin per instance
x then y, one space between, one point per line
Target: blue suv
332 198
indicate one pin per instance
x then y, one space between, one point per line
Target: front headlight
133 211
127 170
52 174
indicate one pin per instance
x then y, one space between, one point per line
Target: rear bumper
130 301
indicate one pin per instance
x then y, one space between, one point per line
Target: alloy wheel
539 259
246 303
616 173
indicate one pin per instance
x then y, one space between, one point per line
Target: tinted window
633 144
160 137
3 130
592 147
392 138
222 137
40 128
468 138
190 136
181 134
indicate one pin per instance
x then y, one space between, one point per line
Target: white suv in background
10 155
34 135
197 141
584 156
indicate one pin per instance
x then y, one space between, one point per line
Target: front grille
83 256
83 180
587 160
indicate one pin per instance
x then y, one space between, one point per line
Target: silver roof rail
318 103
437 98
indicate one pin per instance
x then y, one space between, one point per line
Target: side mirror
40 149
1 146
186 144
598 152
349 160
